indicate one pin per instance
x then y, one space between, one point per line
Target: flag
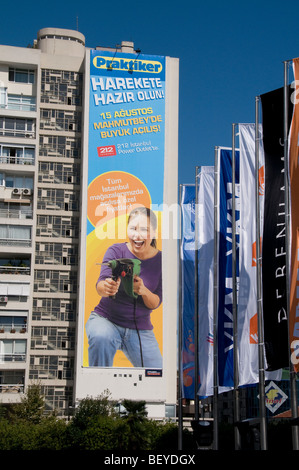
187 254
205 219
274 234
294 201
247 299
225 260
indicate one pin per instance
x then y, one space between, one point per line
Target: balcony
15 213
10 324
15 160
11 388
12 350
11 385
11 242
15 267
13 357
17 127
19 103
17 154
15 236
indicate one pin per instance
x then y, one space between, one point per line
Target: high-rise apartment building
41 151
40 159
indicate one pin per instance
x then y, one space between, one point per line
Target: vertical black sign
274 234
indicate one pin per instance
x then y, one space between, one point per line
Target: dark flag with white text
274 233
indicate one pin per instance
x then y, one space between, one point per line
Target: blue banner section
126 129
225 292
188 280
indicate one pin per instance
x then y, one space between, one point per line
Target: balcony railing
13 160
15 270
30 134
13 329
19 106
16 213
13 357
14 242
11 388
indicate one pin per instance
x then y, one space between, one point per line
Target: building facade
41 156
40 141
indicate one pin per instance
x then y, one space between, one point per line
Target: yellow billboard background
98 241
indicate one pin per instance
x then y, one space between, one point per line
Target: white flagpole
215 303
293 386
262 401
235 323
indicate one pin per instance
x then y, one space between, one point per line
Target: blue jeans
105 338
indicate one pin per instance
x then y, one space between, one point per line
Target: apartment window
17 181
55 281
54 309
61 87
15 264
58 199
11 235
14 290
16 210
56 253
21 102
13 350
15 127
13 324
57 226
60 120
60 146
21 75
17 155
59 173
47 367
11 381
51 338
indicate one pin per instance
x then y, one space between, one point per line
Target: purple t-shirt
121 309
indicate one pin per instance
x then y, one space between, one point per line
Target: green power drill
126 269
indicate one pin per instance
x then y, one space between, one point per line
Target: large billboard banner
125 195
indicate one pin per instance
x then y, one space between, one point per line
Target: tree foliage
90 408
95 426
32 406
135 418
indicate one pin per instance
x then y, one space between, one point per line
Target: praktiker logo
124 64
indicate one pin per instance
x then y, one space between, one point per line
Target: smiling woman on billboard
122 319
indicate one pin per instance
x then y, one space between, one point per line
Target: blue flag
225 282
188 280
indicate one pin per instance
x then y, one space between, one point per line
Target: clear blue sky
230 52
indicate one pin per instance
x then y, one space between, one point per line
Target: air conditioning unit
3 299
16 191
27 192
